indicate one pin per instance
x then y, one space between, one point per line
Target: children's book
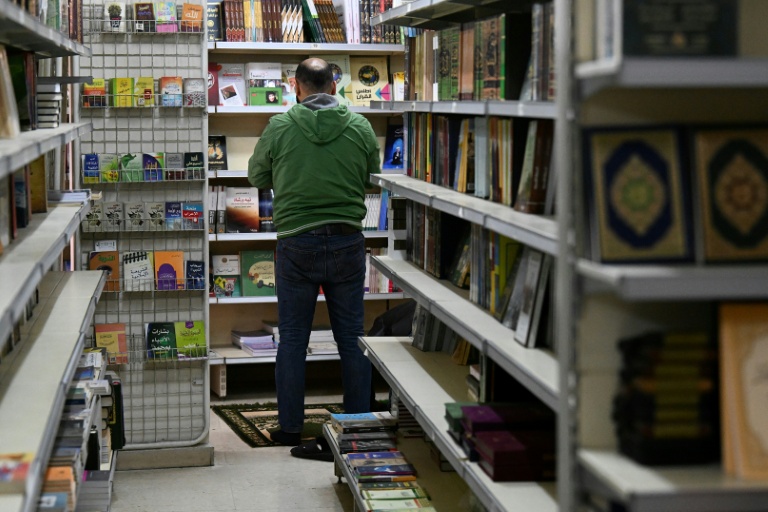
131 167
109 165
108 261
161 340
190 338
194 165
91 168
194 92
242 210
370 80
112 337
225 269
173 164
217 153
153 164
138 271
257 274
144 91
192 215
171 90
194 272
191 17
173 219
169 270
144 17
165 16
155 212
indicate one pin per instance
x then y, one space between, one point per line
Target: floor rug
253 422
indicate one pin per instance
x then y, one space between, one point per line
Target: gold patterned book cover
638 203
731 168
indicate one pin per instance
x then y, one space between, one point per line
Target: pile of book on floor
509 441
258 342
667 408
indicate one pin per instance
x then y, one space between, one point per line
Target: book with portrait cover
257 273
731 169
112 337
263 82
161 340
637 192
217 153
169 270
370 80
242 210
232 85
394 146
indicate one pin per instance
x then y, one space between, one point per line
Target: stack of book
391 469
258 343
667 407
49 98
95 491
383 440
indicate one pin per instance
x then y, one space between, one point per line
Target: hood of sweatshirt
320 118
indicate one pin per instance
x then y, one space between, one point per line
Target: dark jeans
304 263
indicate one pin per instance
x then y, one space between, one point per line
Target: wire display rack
160 116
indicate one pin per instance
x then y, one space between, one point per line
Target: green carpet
253 422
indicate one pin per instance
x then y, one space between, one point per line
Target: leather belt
334 229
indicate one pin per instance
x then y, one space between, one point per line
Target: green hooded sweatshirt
317 157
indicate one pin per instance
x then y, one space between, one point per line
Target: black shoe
286 438
317 449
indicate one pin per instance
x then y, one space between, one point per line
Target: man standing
317 157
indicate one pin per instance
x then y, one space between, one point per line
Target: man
317 157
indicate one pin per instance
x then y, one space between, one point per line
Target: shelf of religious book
305 48
512 108
19 151
35 379
433 388
47 32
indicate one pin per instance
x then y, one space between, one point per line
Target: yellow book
144 92
122 92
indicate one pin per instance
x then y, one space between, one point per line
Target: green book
257 273
190 338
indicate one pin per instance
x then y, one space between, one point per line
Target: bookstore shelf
536 369
27 260
17 152
234 355
539 232
21 30
528 109
305 48
235 237
278 110
273 300
639 72
425 382
675 489
684 282
35 380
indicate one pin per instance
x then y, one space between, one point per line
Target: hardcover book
212 83
534 293
370 80
108 261
257 276
138 271
171 90
213 22
639 207
242 210
190 338
112 338
169 270
731 168
161 340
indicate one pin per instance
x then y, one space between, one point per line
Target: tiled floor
242 479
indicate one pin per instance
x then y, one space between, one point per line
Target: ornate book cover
731 168
370 80
639 203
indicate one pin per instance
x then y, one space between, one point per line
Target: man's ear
297 87
333 88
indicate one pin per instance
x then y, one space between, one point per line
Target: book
385 469
363 422
194 165
217 153
213 22
138 271
232 85
266 200
153 165
173 215
422 504
288 83
729 165
112 337
263 82
638 200
10 125
190 338
165 16
173 167
171 88
14 469
192 215
394 146
90 168
534 180
370 80
340 64
533 296
161 340
144 90
109 167
109 262
242 210
155 213
131 167
257 274
393 494
94 94
194 91
212 83
115 17
144 17
194 272
225 269
121 89
191 18
169 270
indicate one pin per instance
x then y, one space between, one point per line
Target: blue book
173 215
153 164
394 148
195 274
91 168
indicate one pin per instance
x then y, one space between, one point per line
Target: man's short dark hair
315 75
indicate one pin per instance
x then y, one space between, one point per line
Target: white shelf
238 237
29 257
35 378
233 355
531 109
695 72
536 369
536 231
307 48
251 110
320 298
683 282
426 381
21 30
16 153
674 489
